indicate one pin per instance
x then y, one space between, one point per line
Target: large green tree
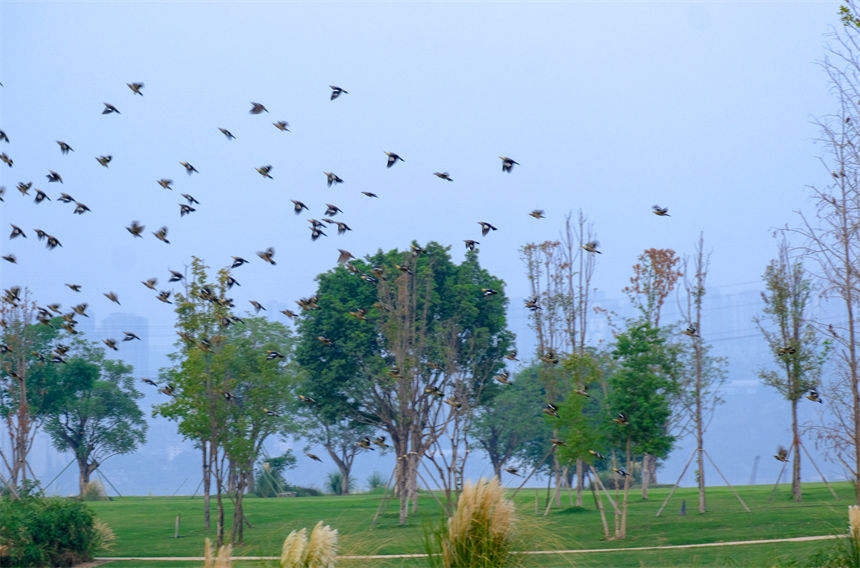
641 390
100 417
406 339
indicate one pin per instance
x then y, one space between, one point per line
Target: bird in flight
267 255
189 168
336 92
508 163
660 211
392 159
264 171
486 228
781 454
257 108
227 133
135 88
282 125
65 148
443 175
332 178
104 160
591 247
109 108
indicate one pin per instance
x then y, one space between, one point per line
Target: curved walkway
103 559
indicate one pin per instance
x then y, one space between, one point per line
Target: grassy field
144 526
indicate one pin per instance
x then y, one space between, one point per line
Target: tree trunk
238 534
646 463
85 470
580 482
207 480
796 490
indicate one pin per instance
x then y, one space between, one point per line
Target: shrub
47 531
94 491
334 483
479 533
375 481
320 551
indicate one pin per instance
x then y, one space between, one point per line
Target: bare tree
703 376
832 238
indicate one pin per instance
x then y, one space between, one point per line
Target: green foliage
334 483
270 479
511 426
789 332
376 481
47 532
100 417
848 18
641 388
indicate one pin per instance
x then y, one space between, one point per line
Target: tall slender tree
703 374
793 340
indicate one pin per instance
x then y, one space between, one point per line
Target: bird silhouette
257 108
336 92
135 88
392 159
508 163
486 228
109 108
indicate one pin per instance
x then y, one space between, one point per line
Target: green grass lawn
144 526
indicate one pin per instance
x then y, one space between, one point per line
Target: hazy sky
609 107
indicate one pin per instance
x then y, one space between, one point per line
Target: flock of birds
47 314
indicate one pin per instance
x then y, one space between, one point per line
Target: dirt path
106 559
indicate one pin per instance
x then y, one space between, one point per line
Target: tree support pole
384 497
62 471
726 480
812 461
604 489
674 487
100 474
551 450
